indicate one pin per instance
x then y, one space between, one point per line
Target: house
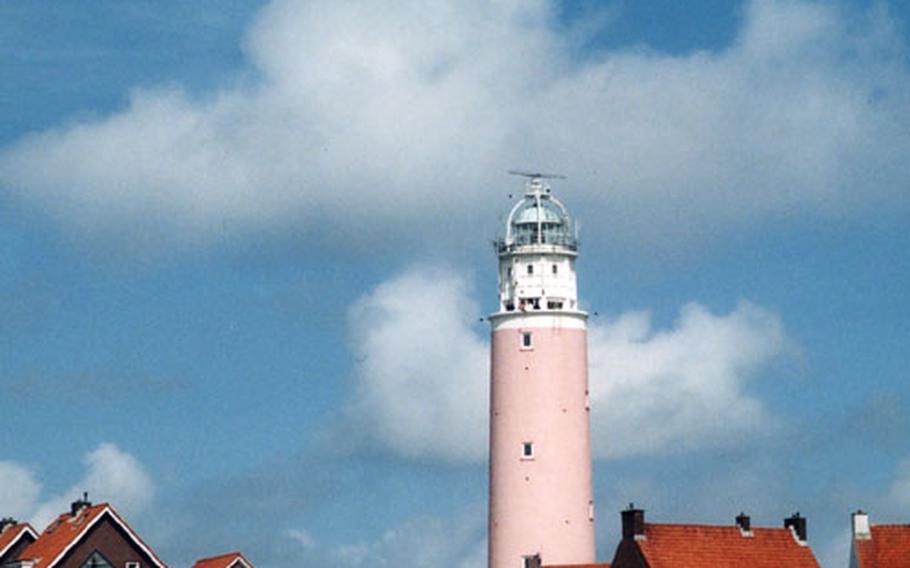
14 538
659 545
879 546
230 560
88 536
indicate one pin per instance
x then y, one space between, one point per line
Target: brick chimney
80 505
861 529
744 522
633 523
797 524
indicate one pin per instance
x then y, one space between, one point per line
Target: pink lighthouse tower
541 503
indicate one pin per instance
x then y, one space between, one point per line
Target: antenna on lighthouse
536 175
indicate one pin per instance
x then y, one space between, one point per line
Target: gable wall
628 555
14 552
112 542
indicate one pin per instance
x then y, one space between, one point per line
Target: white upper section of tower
537 255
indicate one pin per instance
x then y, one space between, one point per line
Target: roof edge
108 510
26 529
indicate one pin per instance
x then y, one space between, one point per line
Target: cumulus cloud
680 388
372 119
423 372
455 541
18 489
112 475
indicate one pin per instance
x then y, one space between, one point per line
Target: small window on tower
527 450
530 269
532 561
526 340
555 269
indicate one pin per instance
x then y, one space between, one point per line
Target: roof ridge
234 553
705 525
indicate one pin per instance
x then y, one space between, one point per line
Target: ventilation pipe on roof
80 505
7 522
797 524
861 530
633 523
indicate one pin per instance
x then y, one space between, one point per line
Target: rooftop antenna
536 185
536 175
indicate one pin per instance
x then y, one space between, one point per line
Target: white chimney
861 530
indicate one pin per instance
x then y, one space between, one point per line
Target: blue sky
238 234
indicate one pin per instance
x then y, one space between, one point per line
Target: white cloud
423 372
302 537
373 119
900 487
656 391
18 489
457 541
112 475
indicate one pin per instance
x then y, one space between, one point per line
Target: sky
247 260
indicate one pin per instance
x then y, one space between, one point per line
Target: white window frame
525 454
132 565
529 336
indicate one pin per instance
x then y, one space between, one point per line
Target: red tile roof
222 561
12 534
66 531
889 547
696 546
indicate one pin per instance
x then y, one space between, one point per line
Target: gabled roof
66 531
888 547
13 534
696 546
223 561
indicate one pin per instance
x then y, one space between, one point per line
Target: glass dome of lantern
538 219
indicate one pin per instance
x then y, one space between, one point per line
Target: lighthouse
541 503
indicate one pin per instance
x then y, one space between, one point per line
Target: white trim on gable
28 530
116 518
239 560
